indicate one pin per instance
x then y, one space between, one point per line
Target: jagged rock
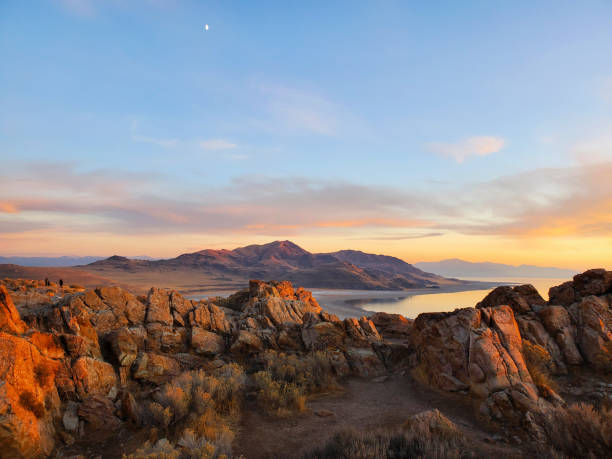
154 367
391 325
521 298
558 323
280 302
158 307
98 412
594 330
123 346
591 282
93 377
531 329
28 399
209 317
129 410
49 344
477 350
323 335
123 303
10 321
361 332
207 343
246 343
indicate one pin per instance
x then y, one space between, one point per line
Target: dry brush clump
196 409
578 430
539 364
427 435
286 381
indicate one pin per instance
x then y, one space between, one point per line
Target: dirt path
363 406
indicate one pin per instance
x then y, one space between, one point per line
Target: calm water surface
411 305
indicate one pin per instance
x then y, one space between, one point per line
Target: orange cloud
8 208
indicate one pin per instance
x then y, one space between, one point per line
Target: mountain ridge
286 260
456 267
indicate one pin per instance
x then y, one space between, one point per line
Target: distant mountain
63 261
459 268
284 260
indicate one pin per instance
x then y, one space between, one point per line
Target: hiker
46 281
61 282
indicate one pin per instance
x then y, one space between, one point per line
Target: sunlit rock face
477 351
79 363
82 364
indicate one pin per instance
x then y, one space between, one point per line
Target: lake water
347 303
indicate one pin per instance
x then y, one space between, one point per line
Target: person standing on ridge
61 282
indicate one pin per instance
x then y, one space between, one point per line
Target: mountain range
455 267
57 261
346 269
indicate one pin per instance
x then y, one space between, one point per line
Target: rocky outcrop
476 351
9 317
154 368
29 400
391 325
592 282
521 298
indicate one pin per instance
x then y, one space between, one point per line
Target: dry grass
577 430
196 409
421 437
285 382
539 364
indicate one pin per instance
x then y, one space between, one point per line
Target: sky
479 130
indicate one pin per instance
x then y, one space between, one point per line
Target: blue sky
427 100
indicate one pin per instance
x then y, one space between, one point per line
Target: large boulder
158 307
391 325
94 377
247 343
591 282
475 350
154 368
280 302
558 323
593 319
206 342
521 298
208 316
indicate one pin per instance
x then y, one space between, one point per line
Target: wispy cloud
551 202
299 111
398 237
217 144
471 146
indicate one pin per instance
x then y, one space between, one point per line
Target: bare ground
362 406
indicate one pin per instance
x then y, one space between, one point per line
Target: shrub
163 449
278 397
578 430
197 407
28 400
539 364
313 372
428 435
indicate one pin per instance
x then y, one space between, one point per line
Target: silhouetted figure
46 281
61 283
